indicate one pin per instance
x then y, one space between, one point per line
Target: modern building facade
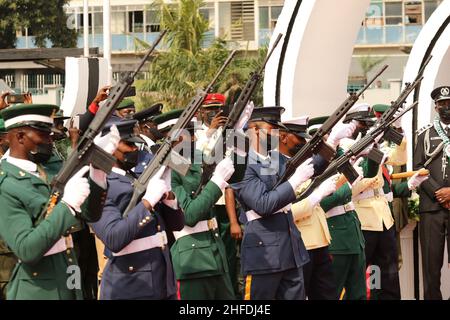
387 34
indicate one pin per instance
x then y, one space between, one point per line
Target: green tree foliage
175 75
45 19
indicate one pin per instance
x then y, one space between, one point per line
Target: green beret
20 115
381 108
315 123
126 103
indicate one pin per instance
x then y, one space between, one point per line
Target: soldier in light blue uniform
139 265
273 253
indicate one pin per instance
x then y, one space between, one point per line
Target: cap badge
445 91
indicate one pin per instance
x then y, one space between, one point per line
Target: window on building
135 21
374 15
413 12
429 7
152 21
118 22
268 17
274 14
81 22
393 12
264 17
98 23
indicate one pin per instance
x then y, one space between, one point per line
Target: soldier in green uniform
347 240
47 266
199 256
7 258
126 109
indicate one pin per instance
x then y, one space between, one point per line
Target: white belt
157 240
60 246
340 210
201 226
372 193
252 215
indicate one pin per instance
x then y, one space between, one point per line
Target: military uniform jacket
345 229
273 243
202 254
428 137
376 212
23 197
146 274
312 223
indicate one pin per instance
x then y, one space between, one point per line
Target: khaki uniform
312 223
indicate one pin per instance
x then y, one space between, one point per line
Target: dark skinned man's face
206 114
126 112
25 141
293 141
259 133
122 148
443 105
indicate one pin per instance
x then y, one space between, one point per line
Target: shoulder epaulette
423 129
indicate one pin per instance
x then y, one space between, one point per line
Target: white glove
398 122
325 189
109 142
416 180
302 174
341 131
167 177
223 172
245 116
157 187
76 190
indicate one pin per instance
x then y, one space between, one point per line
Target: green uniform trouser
209 288
350 274
230 245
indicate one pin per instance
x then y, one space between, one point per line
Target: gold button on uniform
22 174
35 274
70 260
130 268
68 251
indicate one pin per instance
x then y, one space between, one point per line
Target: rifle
317 145
392 134
87 152
226 135
342 164
165 155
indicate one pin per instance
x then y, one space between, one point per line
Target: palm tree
176 74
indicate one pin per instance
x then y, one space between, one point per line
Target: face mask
294 150
130 160
42 153
444 113
209 117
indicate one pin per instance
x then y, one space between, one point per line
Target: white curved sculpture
84 77
434 39
308 72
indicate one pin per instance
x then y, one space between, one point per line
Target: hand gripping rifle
381 127
317 145
86 151
343 165
223 139
165 155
